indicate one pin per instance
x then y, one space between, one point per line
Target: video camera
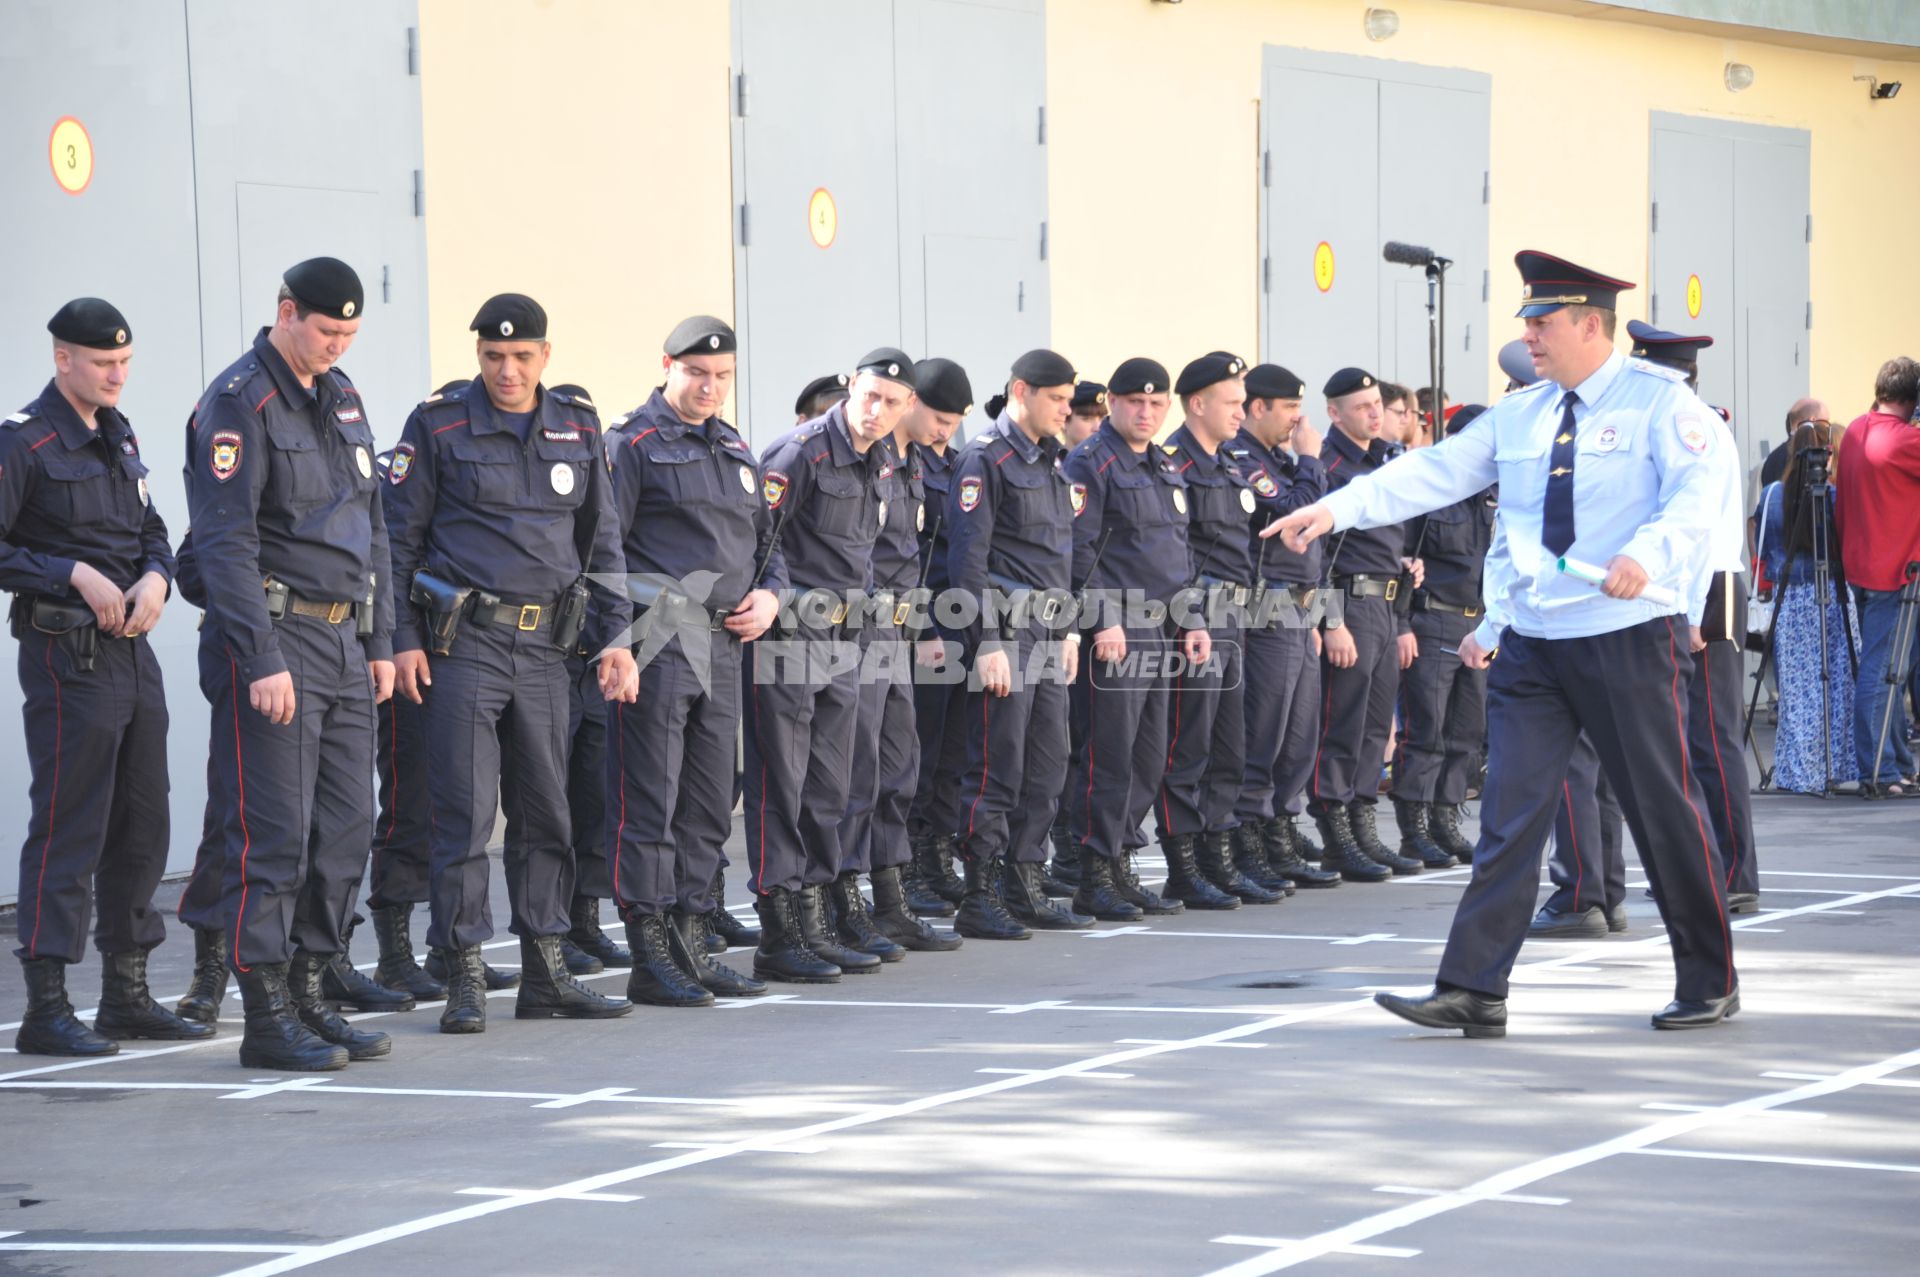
1814 463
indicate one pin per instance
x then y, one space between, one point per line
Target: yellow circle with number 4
823 218
1323 266
70 152
1693 297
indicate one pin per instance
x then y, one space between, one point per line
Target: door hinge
746 237
413 50
1486 186
1043 241
1266 273
1468 334
1809 316
1266 168
1653 308
1809 228
1020 300
1486 285
419 193
386 285
740 95
1043 125
1654 223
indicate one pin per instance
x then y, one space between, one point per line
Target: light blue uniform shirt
1648 483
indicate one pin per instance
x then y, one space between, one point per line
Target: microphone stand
1436 349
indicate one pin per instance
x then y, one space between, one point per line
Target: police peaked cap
1663 347
1549 282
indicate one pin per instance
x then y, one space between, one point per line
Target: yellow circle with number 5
70 152
823 218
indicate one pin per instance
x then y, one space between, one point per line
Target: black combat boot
341 984
851 923
209 987
548 990
1023 890
1250 858
494 979
730 930
1098 894
577 961
1127 882
305 978
1282 840
1185 882
467 985
275 1038
983 914
1416 835
127 1008
783 954
896 919
944 880
393 928
1303 841
1062 877
1366 836
50 1027
658 977
1342 853
817 933
687 938
924 879
1445 824
585 933
1215 859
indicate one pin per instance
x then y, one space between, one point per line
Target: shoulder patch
1077 496
223 454
1263 483
969 494
1694 435
774 489
401 466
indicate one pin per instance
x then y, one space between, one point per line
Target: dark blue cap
1549 282
328 285
511 317
1043 368
943 385
1089 396
1271 381
1349 381
1139 376
890 363
1207 370
1663 347
90 322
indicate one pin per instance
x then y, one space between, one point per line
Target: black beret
1227 354
328 285
1271 381
511 317
1663 347
701 335
890 363
1139 376
90 322
1089 396
1347 381
835 382
1463 417
943 385
1043 368
1207 370
1549 282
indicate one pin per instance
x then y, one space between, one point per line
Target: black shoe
1215 858
983 914
1743 902
917 878
1342 854
1367 838
687 938
588 937
782 954
1065 868
1475 1014
732 931
275 1039
467 985
209 986
1303 841
548 990
1701 1014
1098 894
127 1008
939 874
577 960
1250 858
1026 898
1416 835
342 984
1283 855
1444 824
1127 882
852 923
50 1027
1617 918
494 979
659 978
1185 882
392 927
1551 923
306 979
817 933
899 922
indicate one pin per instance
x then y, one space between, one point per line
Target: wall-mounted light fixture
1739 76
1382 24
1878 91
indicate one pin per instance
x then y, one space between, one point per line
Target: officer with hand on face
501 519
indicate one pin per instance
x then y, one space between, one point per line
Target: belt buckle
1240 595
839 614
1472 611
1049 609
529 618
901 611
1307 595
1393 589
337 612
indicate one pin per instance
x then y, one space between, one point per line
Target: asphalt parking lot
1208 1094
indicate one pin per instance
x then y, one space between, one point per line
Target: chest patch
363 459
1179 501
746 478
919 518
223 454
883 512
560 436
969 495
1607 440
145 498
1247 502
348 415
561 477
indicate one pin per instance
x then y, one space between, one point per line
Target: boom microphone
1409 254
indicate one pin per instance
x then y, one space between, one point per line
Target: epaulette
1238 454
18 419
619 422
1542 384
1172 450
239 380
1657 370
813 430
449 396
580 401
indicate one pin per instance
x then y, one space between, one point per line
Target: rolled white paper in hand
1655 594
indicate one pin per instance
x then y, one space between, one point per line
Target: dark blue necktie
1556 523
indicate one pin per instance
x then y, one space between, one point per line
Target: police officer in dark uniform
1364 652
87 558
703 570
282 491
1443 722
1089 410
802 693
1588 866
1062 877
1011 556
501 517
1277 451
819 395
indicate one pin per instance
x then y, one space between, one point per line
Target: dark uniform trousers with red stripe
1016 758
801 708
886 757
294 802
1282 714
200 904
1714 727
97 749
670 768
586 779
1206 741
1627 691
1589 864
399 870
1118 766
1356 709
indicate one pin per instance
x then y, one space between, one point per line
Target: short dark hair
1898 382
1608 317
300 309
1391 392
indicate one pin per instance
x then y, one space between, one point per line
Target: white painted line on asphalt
1107 933
710 1144
1377 935
158 1248
1273 1243
1662 1106
326 1086
1809 873
1780 1160
1363 1230
771 999
1238 1046
1517 1199
1031 1072
577 1197
1372 938
586 1097
1821 1077
1046 1004
276 1087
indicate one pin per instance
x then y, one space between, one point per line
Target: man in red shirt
1878 512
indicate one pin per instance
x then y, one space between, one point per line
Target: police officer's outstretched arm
1422 480
407 509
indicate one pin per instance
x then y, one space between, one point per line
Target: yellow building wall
577 151
1154 117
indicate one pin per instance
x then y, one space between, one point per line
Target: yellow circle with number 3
823 218
1693 297
70 152
1323 266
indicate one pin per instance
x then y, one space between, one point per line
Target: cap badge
713 342
1526 293
1149 387
506 328
893 370
347 309
119 336
1365 382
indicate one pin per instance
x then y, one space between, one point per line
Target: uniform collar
73 432
659 414
1117 444
281 374
1259 451
1005 427
840 439
1598 382
1347 448
938 462
483 416
1183 440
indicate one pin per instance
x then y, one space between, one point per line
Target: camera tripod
1898 654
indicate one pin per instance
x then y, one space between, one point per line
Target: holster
570 616
72 621
441 605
